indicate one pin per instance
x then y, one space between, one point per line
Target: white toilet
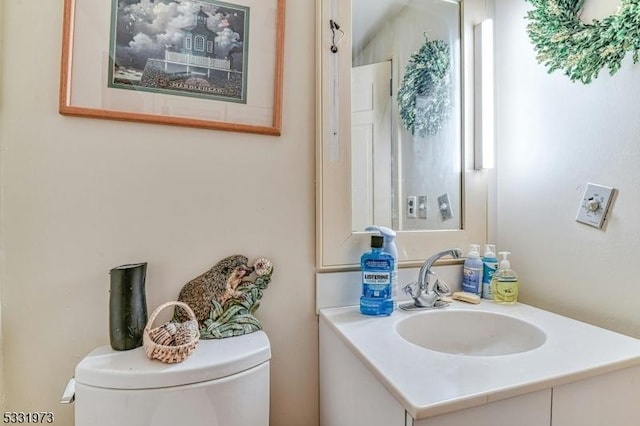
224 382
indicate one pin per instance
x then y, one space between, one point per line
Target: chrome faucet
425 294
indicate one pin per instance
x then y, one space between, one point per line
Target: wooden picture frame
197 63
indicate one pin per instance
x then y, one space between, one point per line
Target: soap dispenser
472 271
489 267
504 284
389 247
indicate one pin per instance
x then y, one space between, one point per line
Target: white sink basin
473 333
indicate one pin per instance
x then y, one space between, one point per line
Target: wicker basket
171 342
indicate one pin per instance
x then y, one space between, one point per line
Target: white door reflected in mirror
371 145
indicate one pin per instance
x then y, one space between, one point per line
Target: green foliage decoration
564 42
424 96
236 316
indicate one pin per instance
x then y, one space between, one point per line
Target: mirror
406 114
383 175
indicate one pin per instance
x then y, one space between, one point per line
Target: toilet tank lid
212 359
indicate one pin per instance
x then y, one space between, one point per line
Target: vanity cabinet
532 409
609 399
351 394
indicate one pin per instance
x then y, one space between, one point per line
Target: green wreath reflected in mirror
424 96
564 42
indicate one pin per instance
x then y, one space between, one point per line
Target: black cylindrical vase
127 306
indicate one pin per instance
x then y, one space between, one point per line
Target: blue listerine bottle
389 246
377 276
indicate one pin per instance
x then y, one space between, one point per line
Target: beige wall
554 136
2 393
80 196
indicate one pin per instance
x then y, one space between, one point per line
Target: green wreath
424 100
562 41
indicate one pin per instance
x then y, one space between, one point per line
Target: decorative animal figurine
225 298
218 283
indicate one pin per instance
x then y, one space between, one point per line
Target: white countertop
429 383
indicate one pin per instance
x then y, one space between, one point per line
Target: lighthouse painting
195 48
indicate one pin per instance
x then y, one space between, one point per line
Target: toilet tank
225 382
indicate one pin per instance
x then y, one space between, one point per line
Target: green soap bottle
504 284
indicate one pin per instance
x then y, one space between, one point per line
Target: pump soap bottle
504 284
377 269
472 271
389 247
489 267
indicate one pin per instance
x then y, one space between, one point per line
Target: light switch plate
444 205
422 206
594 205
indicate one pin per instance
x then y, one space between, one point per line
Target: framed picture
198 63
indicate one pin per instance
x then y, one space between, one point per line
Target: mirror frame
338 247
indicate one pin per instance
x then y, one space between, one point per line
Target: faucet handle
412 289
441 288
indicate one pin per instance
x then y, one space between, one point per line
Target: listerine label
377 264
376 285
376 278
